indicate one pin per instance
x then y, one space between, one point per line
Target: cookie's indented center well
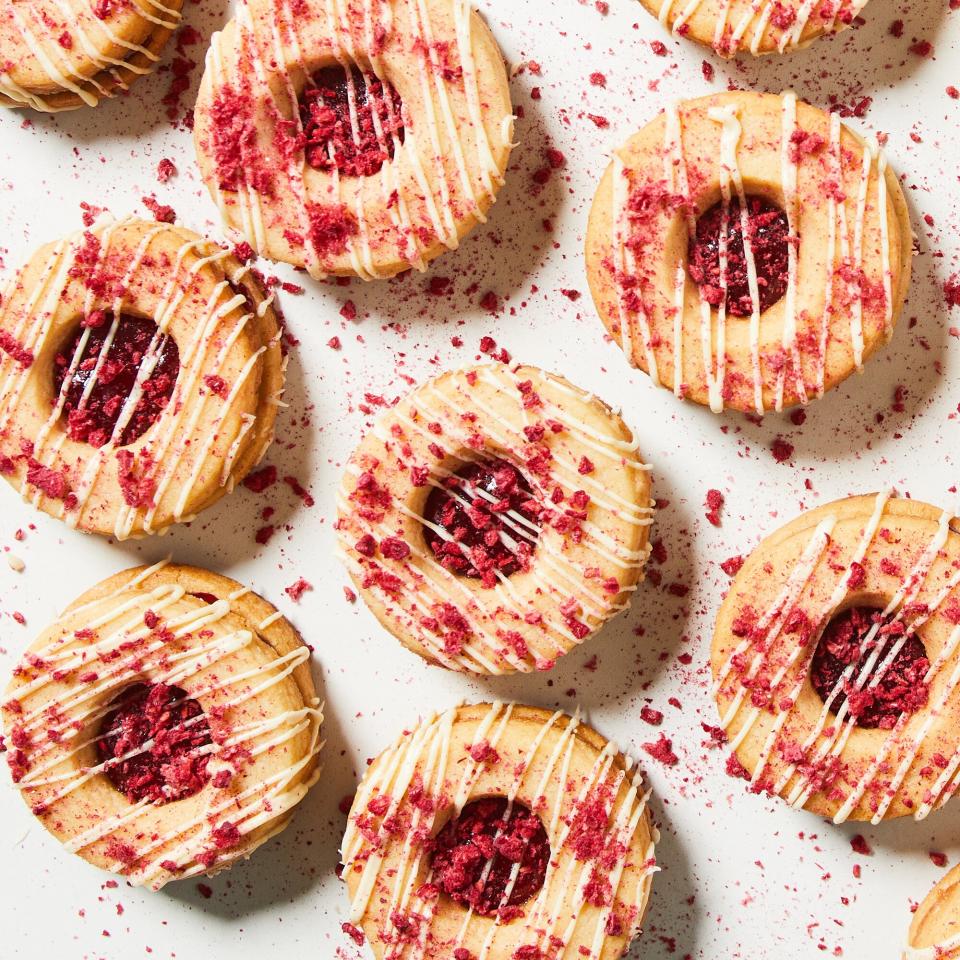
165 732
109 372
768 233
490 861
901 688
491 515
351 121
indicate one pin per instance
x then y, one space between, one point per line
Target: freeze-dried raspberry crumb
781 450
922 48
713 504
355 934
296 590
938 859
859 845
165 170
731 566
651 716
162 212
261 479
662 751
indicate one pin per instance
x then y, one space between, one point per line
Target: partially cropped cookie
748 250
836 660
495 518
935 929
63 55
357 139
140 373
165 726
755 26
499 831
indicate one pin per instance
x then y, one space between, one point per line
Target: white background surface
742 876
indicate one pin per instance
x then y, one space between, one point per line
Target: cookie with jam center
354 139
503 831
836 661
165 726
495 518
748 251
140 374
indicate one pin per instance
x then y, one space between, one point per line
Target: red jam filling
476 521
352 144
170 769
768 231
92 420
481 836
902 688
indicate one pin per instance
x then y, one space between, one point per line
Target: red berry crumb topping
902 688
171 768
474 506
768 231
357 142
481 836
92 419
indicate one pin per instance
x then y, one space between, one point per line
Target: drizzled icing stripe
838 734
172 437
263 803
441 198
427 752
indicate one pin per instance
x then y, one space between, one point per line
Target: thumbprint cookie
356 139
140 375
836 661
758 26
165 726
935 930
499 831
64 54
747 250
495 518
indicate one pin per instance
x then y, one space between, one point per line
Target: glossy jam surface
349 121
768 232
168 730
107 375
474 856
474 510
900 690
